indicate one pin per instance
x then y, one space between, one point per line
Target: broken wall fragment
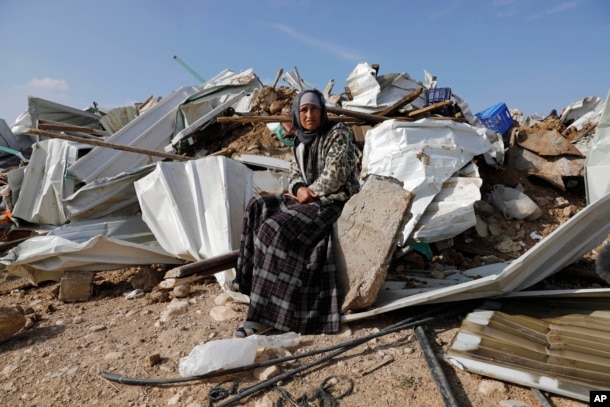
366 236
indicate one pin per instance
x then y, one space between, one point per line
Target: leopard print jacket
329 166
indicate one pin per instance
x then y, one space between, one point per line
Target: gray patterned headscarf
310 96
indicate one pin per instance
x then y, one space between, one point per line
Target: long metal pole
188 68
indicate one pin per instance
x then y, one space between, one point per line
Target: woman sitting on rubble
286 260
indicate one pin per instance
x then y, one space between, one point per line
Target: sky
533 55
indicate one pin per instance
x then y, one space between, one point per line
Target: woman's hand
306 195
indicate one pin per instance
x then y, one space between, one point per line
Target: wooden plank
430 108
407 99
108 145
53 126
274 119
206 267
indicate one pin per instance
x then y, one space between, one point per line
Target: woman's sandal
243 332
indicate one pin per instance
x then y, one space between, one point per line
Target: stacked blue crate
438 95
496 118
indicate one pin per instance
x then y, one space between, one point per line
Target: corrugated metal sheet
45 110
107 244
423 155
196 208
44 185
597 164
114 196
151 130
560 345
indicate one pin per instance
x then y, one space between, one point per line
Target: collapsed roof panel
106 244
196 208
423 155
554 344
224 86
113 196
9 145
372 93
44 185
46 110
151 130
597 164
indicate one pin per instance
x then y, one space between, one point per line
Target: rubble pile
165 183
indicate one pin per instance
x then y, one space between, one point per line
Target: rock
513 403
222 298
481 227
174 309
222 313
488 387
267 372
146 278
12 320
366 236
152 360
506 245
182 291
97 328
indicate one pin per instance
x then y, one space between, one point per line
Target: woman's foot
250 328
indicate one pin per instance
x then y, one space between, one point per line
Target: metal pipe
188 68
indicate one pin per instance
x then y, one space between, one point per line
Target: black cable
436 369
322 393
390 329
219 392
397 327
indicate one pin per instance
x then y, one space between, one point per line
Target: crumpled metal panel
555 344
46 110
151 131
195 208
114 196
106 244
44 185
597 164
422 155
549 143
372 93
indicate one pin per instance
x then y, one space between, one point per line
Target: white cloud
47 84
562 7
334 49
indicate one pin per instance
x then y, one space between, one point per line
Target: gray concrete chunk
366 236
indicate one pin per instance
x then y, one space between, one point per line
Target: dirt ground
58 359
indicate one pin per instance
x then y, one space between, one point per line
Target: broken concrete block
76 285
366 236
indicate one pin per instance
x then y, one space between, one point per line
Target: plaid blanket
286 264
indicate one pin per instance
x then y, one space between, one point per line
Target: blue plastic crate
438 95
496 118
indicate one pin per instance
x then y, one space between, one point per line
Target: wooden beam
277 77
100 143
430 108
71 127
275 119
206 267
405 100
366 117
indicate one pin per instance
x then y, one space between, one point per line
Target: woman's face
310 117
